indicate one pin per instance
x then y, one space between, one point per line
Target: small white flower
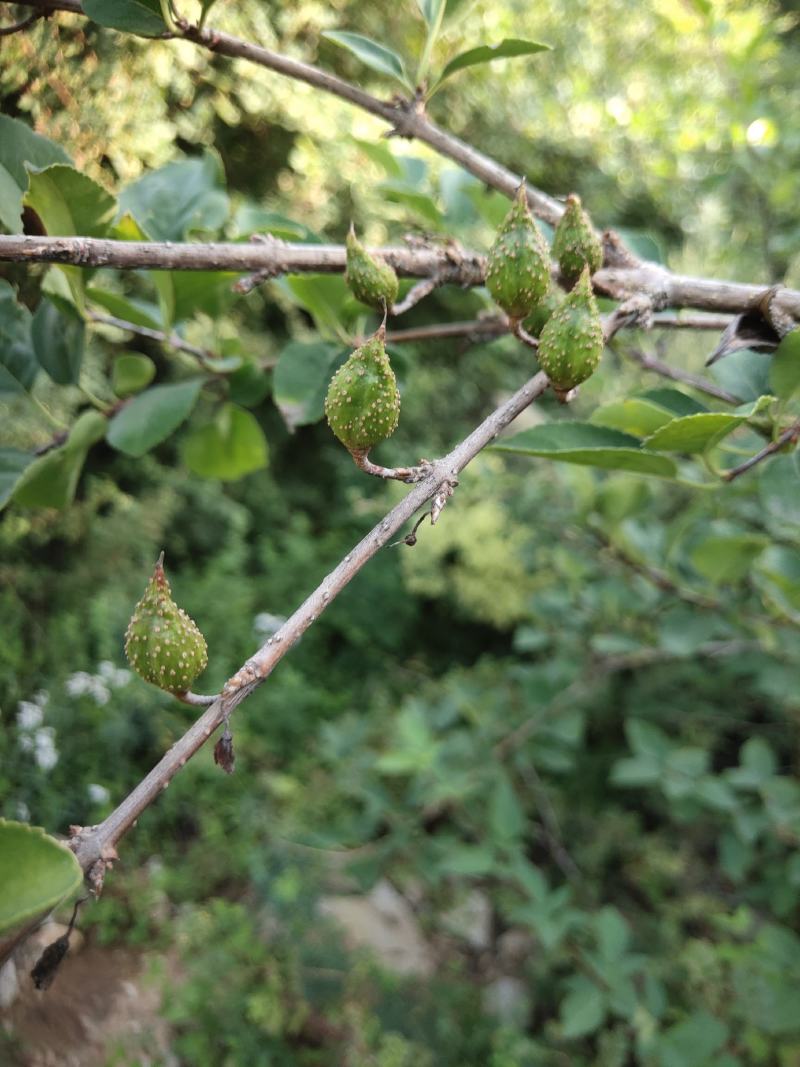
78 683
23 811
98 794
29 715
45 752
42 698
114 676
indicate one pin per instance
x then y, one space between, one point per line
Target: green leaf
36 873
431 10
19 146
177 199
248 385
322 295
58 340
142 17
691 434
612 933
691 1043
376 56
674 400
137 312
132 373
757 764
784 366
636 415
227 448
18 363
300 380
12 464
68 203
487 53
777 575
506 817
588 445
724 559
743 373
51 480
152 416
779 488
583 1009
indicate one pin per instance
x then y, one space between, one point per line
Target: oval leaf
152 416
142 17
18 364
376 56
589 446
228 448
20 145
51 480
132 373
697 433
12 464
486 53
36 873
58 339
431 10
784 366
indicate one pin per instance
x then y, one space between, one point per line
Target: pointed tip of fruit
573 200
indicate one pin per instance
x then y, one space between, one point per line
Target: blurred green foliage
575 700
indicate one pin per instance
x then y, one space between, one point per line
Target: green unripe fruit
162 643
571 342
535 322
518 265
575 244
372 282
363 402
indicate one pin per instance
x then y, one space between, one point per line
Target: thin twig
93 844
418 292
788 436
173 340
657 366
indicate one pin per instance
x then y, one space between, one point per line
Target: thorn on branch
789 437
251 281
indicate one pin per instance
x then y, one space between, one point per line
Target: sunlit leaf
431 10
590 446
131 373
227 448
487 53
69 203
376 56
697 433
19 146
36 873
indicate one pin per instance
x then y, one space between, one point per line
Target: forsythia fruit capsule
575 244
518 265
363 402
372 282
162 643
571 342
